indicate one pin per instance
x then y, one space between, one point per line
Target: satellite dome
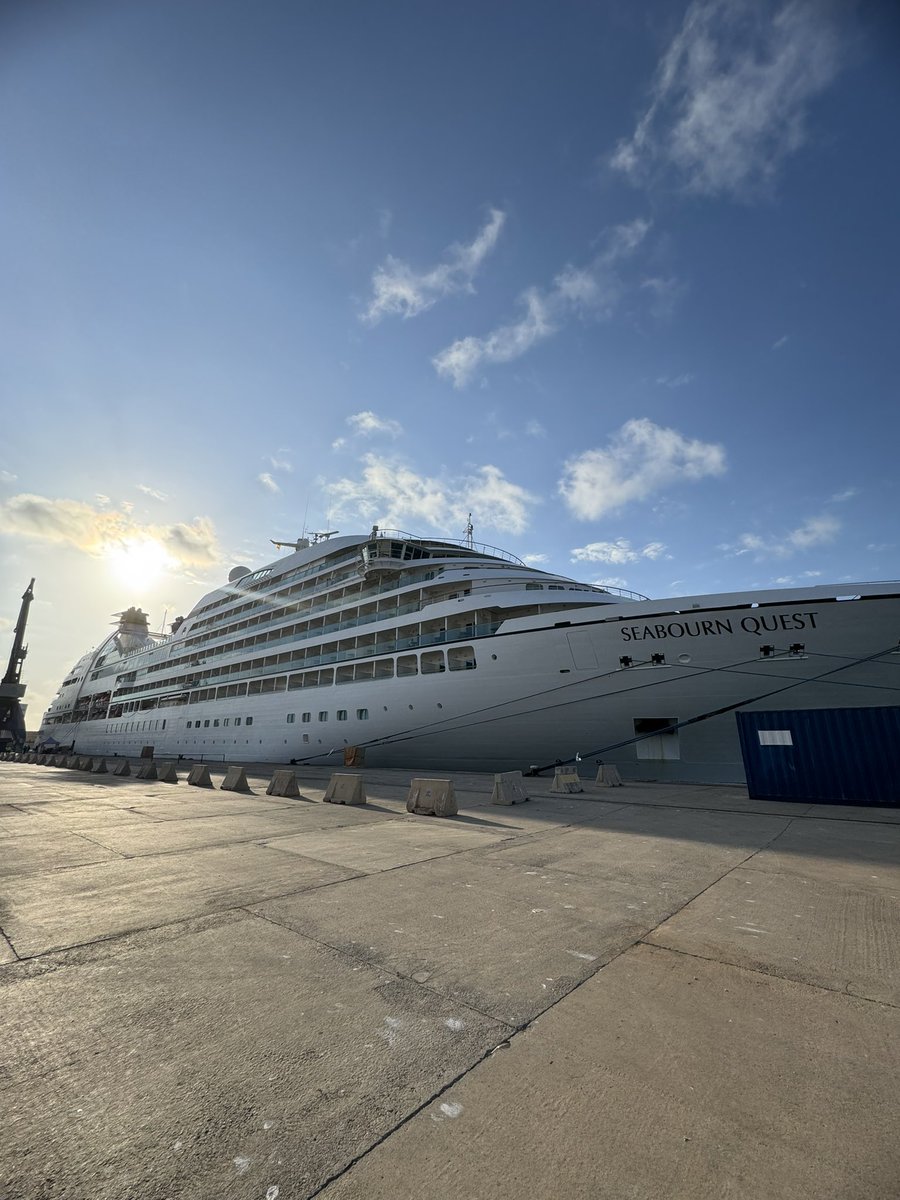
237 573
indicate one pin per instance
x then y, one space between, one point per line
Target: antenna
470 529
323 537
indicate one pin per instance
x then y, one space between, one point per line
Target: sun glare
138 561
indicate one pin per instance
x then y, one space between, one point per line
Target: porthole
684 659
440 705
410 708
494 657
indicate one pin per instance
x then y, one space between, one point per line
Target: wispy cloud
815 531
640 460
400 291
730 98
95 531
618 552
152 492
593 290
535 429
267 481
280 462
365 424
782 341
534 560
842 497
8 477
675 381
391 494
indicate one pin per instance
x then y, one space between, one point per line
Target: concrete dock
639 992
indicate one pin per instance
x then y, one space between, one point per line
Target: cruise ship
398 650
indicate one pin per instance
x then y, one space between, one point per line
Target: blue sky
621 280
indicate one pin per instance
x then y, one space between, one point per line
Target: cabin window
362 714
433 662
407 664
323 716
306 718
206 724
216 723
461 658
291 718
226 721
249 721
306 737
237 720
342 714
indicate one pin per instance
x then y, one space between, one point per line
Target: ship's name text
764 623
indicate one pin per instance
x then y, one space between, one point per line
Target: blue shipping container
836 755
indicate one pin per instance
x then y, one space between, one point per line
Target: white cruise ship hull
552 687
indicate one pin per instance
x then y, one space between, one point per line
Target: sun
138 561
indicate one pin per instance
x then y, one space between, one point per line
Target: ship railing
462 543
397 645
623 592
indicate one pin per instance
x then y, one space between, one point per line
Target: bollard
235 781
345 789
565 781
432 798
509 788
608 776
167 773
284 783
199 776
122 768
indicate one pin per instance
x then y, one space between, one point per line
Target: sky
621 280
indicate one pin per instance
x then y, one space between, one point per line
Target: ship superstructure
428 652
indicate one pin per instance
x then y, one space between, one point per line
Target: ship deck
659 990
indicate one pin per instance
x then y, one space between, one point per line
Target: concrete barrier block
32 758
85 764
147 770
122 768
432 798
199 776
72 762
283 783
167 773
100 767
608 776
235 780
509 788
345 789
565 781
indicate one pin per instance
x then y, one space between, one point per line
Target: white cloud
149 491
365 424
619 551
731 94
339 443
611 581
398 290
846 494
8 477
279 463
268 482
392 495
783 340
594 289
641 459
535 560
675 381
95 531
815 531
